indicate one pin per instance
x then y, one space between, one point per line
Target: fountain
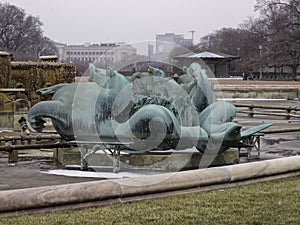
150 112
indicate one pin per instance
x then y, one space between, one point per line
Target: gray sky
95 21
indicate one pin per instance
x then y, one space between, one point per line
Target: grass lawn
276 202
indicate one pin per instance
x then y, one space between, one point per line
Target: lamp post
260 69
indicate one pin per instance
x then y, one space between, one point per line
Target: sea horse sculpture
152 111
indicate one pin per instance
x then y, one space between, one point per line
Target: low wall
31 198
288 92
5 69
33 75
13 106
149 161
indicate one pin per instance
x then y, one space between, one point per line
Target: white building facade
104 52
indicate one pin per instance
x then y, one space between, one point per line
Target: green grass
276 202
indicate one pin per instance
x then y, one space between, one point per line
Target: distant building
123 52
150 51
166 42
104 52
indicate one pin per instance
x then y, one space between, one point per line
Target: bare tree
20 33
45 47
281 36
240 42
272 39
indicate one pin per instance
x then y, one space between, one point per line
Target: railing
13 144
285 112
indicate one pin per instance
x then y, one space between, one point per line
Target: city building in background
104 52
166 42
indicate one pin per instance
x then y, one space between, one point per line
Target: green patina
151 110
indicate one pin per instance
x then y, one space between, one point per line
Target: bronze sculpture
152 111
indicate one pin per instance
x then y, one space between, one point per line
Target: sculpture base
166 161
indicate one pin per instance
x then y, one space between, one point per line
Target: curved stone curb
31 198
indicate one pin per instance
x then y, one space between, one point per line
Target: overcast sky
96 21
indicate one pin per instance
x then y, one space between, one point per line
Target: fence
13 144
279 112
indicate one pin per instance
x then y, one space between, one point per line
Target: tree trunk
294 72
